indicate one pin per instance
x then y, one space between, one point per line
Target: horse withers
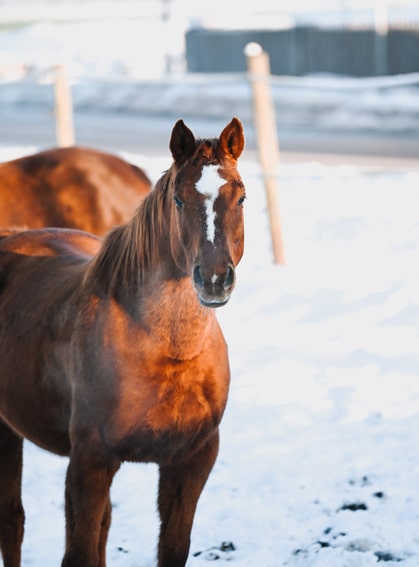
110 351
74 187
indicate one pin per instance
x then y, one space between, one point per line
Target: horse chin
212 302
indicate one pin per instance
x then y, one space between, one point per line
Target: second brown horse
71 187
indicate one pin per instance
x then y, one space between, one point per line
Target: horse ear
232 139
182 142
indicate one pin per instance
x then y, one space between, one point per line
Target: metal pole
267 141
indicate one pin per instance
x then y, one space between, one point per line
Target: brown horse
71 188
110 351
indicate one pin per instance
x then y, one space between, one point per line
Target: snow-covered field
319 462
319 459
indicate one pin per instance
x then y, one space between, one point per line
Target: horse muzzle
214 290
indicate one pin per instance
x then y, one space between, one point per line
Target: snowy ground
319 461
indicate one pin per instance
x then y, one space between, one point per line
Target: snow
318 465
323 414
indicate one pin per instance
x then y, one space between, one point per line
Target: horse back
73 187
49 242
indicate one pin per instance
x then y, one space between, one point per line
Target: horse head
207 209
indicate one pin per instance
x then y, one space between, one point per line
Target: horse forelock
208 152
205 152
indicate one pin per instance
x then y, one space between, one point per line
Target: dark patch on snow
217 552
323 543
379 494
363 481
327 530
386 556
354 506
122 550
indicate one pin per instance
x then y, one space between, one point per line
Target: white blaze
209 185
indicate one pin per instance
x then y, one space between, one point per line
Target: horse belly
35 410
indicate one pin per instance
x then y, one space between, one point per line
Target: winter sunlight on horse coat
111 351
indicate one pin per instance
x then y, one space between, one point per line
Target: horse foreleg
180 487
104 530
88 511
12 516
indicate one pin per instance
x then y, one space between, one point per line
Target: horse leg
180 487
88 509
12 516
104 530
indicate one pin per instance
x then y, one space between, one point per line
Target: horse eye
178 202
241 200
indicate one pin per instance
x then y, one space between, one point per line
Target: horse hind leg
12 515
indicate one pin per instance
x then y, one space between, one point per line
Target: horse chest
172 411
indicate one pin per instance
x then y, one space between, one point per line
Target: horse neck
137 257
135 272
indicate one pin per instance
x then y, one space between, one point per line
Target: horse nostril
197 276
224 281
229 277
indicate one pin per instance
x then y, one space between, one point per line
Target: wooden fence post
64 126
258 67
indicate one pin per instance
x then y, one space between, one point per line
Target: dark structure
358 52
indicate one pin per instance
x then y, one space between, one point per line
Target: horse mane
129 250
